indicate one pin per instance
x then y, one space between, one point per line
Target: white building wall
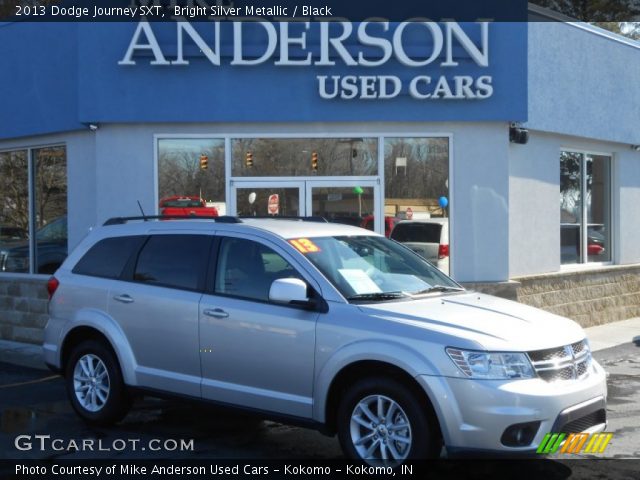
534 208
627 206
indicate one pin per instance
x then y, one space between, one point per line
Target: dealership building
523 136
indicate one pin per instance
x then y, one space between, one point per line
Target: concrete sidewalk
600 338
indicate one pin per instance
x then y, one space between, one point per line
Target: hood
482 321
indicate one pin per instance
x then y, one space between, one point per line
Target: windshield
182 203
373 268
417 232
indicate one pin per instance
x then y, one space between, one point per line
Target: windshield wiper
439 288
378 296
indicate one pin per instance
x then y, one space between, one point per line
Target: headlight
492 365
16 264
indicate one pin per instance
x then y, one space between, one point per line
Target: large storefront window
192 167
46 199
585 231
416 176
344 179
416 181
297 157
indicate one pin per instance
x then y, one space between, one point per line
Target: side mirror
289 291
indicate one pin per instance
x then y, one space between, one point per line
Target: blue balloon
443 202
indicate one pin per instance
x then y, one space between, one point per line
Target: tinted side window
247 269
417 232
108 257
174 261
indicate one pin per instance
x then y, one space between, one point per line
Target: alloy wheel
380 430
91 382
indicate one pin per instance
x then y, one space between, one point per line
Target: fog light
520 434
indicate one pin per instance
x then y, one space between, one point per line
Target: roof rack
289 217
122 220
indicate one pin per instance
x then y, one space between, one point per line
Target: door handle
215 312
123 298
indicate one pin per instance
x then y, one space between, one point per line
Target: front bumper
474 414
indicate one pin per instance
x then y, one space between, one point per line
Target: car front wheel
94 384
382 422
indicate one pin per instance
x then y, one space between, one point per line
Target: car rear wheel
94 384
382 422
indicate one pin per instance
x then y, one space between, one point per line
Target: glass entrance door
350 202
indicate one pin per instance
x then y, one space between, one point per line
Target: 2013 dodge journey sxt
326 324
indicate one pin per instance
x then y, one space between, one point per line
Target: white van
429 238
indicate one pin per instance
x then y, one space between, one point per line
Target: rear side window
186 203
417 232
108 257
177 261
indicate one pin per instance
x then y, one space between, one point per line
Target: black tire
107 409
424 431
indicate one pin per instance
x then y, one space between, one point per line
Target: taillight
595 249
443 251
52 286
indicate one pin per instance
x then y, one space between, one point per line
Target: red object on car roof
186 205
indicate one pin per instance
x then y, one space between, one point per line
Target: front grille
583 423
547 355
569 362
578 347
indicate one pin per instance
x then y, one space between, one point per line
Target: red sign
273 207
409 213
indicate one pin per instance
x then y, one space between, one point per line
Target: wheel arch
372 368
101 328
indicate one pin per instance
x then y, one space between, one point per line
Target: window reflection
50 209
266 157
598 208
416 175
14 210
417 190
570 207
577 197
192 167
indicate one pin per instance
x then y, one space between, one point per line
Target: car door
255 353
157 309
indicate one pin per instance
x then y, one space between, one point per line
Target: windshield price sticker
304 245
359 281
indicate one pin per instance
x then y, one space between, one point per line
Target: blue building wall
72 76
583 83
38 78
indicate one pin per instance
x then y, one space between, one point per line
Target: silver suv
325 324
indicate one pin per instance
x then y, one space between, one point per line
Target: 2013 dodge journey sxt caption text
324 324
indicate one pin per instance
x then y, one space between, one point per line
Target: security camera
635 148
517 134
93 127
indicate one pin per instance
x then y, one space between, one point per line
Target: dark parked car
51 250
9 234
